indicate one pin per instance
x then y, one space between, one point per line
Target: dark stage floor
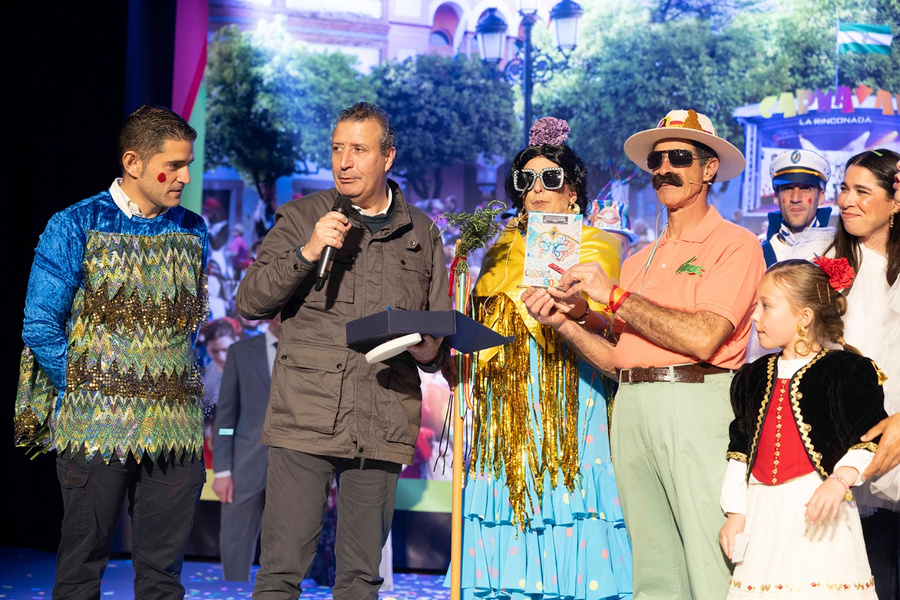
28 575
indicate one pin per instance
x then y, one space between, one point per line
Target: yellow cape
504 266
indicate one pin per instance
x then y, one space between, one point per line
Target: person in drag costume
541 509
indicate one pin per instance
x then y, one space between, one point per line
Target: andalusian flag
861 37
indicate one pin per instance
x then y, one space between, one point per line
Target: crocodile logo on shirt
689 268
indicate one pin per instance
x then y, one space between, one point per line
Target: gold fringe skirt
524 427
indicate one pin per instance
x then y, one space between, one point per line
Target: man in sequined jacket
116 295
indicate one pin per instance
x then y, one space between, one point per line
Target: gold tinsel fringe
503 435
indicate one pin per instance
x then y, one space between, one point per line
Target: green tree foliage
797 43
634 63
271 105
634 71
445 111
719 11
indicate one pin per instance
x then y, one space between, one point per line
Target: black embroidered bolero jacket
835 399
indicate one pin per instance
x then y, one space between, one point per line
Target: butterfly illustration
560 245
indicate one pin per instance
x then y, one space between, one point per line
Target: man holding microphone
331 413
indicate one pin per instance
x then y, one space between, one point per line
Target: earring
575 209
802 340
521 220
891 221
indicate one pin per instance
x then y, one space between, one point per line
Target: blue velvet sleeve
204 241
55 276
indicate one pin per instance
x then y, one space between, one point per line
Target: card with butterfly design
552 245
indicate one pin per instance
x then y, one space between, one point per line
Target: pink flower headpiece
840 273
548 130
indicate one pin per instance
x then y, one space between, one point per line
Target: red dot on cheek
161 178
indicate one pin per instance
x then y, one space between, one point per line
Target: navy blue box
459 331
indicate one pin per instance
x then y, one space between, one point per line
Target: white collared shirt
271 348
124 202
806 244
390 197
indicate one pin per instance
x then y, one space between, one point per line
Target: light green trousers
668 449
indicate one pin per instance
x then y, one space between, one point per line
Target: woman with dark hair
541 509
869 238
867 217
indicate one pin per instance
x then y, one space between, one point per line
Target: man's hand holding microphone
327 237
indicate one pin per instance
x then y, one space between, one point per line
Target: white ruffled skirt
791 558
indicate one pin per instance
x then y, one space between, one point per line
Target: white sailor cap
799 166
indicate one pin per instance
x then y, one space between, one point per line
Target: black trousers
882 534
297 488
162 497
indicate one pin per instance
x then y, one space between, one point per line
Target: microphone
342 205
700 184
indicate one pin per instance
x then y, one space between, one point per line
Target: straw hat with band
691 126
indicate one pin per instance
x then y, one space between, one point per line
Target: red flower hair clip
840 273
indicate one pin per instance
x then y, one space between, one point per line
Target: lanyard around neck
644 285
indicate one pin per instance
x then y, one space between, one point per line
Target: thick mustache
670 178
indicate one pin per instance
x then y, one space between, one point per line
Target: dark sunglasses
678 158
552 178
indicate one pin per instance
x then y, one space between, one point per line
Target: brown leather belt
695 373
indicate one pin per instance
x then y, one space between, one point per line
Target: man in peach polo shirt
685 303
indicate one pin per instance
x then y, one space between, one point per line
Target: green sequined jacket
111 314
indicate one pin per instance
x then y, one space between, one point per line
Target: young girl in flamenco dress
795 452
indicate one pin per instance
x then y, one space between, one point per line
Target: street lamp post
528 65
491 30
565 17
528 21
